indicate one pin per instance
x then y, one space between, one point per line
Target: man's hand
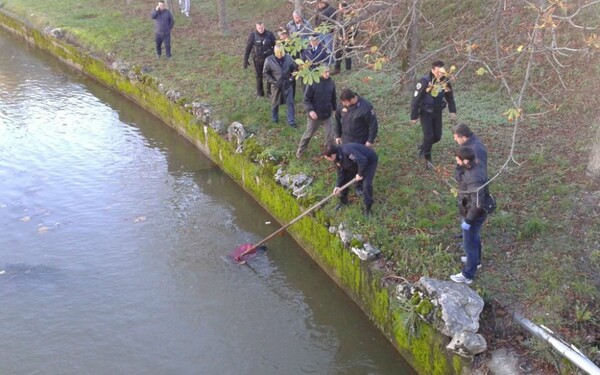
413 121
465 226
453 116
313 115
336 190
358 177
246 63
338 141
369 144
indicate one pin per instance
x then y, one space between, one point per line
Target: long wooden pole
311 209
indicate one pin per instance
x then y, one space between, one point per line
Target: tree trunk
222 17
593 167
413 44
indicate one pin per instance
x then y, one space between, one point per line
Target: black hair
465 153
462 130
437 64
330 149
347 94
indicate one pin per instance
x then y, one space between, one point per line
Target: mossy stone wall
423 348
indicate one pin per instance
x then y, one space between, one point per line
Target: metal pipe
571 353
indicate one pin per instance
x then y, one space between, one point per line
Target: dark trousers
431 123
338 58
161 38
258 71
367 182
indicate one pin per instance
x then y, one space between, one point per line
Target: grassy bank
541 248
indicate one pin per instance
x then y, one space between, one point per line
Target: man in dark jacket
163 24
473 202
319 102
316 53
465 137
278 71
355 120
432 93
354 161
260 43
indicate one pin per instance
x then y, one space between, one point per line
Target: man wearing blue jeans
473 199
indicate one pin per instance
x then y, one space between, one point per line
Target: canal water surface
114 230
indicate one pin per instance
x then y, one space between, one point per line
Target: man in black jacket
355 120
353 161
260 43
432 93
163 24
474 201
319 102
278 71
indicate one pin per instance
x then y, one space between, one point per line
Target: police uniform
429 108
261 46
356 159
356 123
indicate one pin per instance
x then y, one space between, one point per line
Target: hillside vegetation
541 247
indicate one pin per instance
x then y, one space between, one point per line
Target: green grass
541 245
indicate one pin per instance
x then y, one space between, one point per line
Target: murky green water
113 233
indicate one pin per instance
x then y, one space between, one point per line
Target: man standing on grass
163 24
353 161
278 71
260 43
432 93
319 102
474 202
355 122
184 5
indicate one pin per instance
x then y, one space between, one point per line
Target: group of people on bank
350 125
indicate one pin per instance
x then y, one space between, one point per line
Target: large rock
461 306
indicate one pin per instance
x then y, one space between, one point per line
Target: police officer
355 122
432 94
353 161
261 43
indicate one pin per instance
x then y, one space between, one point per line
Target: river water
114 230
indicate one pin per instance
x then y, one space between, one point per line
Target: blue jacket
316 55
163 21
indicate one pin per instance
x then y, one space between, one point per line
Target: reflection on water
111 258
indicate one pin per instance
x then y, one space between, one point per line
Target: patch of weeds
538 157
502 219
533 227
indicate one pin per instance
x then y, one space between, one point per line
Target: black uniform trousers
367 181
431 123
258 70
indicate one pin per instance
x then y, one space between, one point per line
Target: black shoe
359 191
293 125
367 211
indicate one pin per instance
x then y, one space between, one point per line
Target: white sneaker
460 278
464 260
